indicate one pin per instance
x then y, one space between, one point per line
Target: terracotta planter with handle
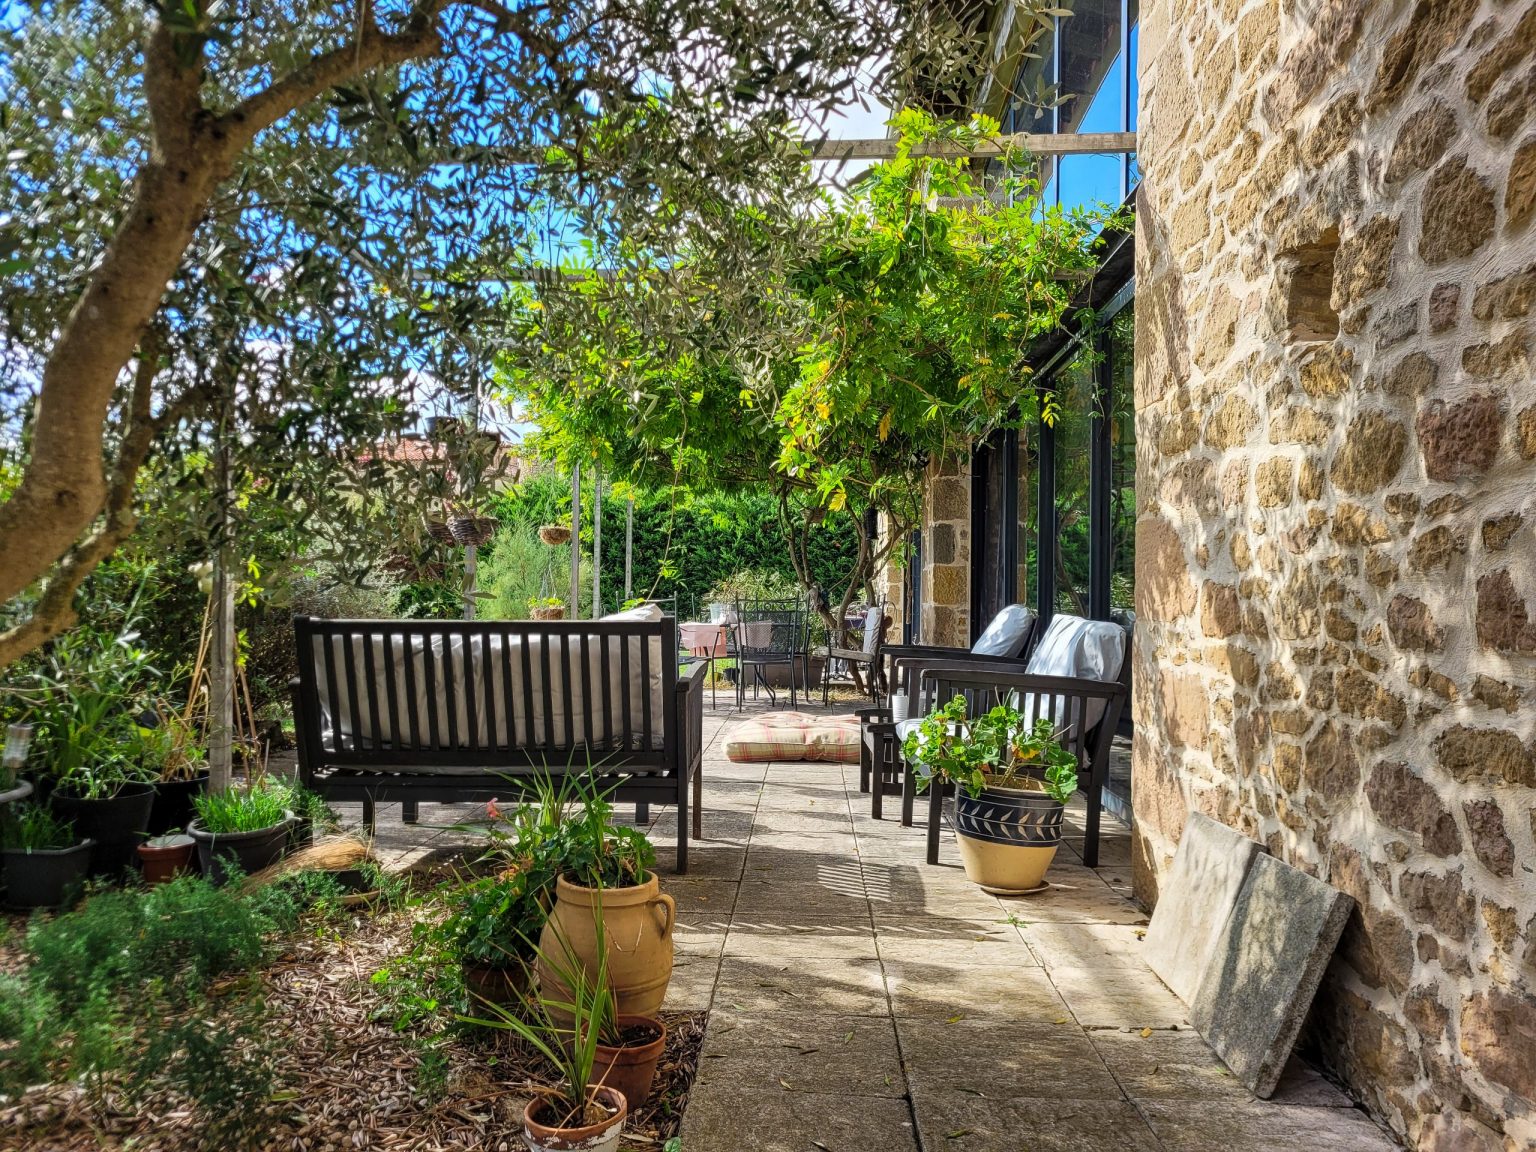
637 922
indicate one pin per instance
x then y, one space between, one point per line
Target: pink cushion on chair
794 736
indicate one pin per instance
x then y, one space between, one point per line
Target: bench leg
698 803
642 812
409 811
682 827
369 821
908 794
1091 825
935 818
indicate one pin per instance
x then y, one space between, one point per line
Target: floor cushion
793 736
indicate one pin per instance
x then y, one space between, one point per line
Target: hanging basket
476 530
553 534
439 531
556 613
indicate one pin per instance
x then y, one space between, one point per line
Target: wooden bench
453 711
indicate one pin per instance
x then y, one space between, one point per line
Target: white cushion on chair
1006 635
1079 649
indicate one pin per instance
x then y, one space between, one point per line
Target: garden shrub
133 991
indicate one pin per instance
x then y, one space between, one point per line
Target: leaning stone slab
1255 993
1196 898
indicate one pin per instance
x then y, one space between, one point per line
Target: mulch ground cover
347 1077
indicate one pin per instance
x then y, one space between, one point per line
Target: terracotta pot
164 862
631 1070
495 983
1008 838
601 1137
548 613
637 922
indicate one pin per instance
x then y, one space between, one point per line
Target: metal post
222 655
470 557
597 541
629 543
575 541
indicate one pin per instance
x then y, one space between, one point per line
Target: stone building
1334 494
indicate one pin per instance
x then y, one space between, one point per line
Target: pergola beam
1036 143
881 148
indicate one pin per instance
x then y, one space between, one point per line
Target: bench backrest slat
456 693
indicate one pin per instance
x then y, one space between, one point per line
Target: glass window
1072 434
1091 72
1087 181
1122 479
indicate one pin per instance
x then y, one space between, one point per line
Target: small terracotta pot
165 862
601 1137
631 1070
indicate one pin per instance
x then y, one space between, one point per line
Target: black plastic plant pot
173 803
118 824
45 877
250 851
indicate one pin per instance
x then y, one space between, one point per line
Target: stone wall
1336 551
946 607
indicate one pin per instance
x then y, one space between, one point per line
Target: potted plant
490 931
555 534
1013 780
583 1112
248 826
99 784
546 608
609 910
45 861
470 528
629 1046
173 757
166 856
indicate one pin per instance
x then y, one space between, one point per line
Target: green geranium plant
998 749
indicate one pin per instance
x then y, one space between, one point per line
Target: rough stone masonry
1336 545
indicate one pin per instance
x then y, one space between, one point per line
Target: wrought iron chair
768 633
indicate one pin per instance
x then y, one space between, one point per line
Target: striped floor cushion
794 736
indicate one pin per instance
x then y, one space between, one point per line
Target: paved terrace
863 1001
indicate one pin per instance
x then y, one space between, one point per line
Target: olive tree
354 178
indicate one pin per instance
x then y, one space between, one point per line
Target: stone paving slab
801 985
1195 901
780 1121
1005 1055
1118 998
1259 1126
970 1123
1086 945
1255 993
939 989
1167 1065
840 1055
